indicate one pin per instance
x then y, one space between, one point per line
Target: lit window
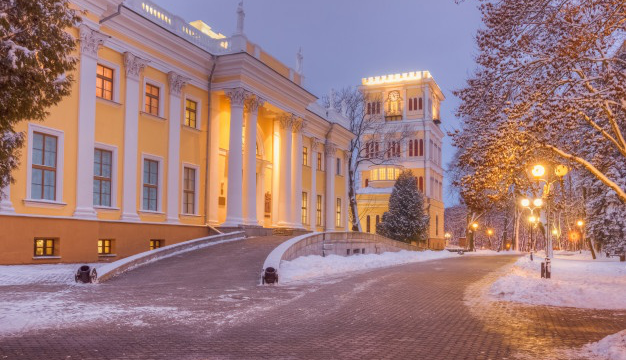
150 184
338 166
152 99
305 156
155 244
102 170
104 247
45 247
104 82
189 191
44 167
191 113
319 161
305 208
318 210
338 220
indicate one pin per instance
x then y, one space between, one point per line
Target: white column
427 110
296 173
331 200
249 162
276 141
134 67
213 192
6 207
315 144
284 183
346 199
90 41
174 191
234 205
260 193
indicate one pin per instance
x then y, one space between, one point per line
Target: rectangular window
44 247
318 211
338 166
319 161
102 170
155 244
189 191
105 247
44 167
305 208
104 82
150 185
305 156
191 113
152 99
338 220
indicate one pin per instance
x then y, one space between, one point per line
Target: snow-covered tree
369 128
550 74
34 65
406 219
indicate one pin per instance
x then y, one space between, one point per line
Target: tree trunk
354 212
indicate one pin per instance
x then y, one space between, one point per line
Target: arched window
421 152
420 104
421 184
369 108
367 226
410 104
410 147
436 224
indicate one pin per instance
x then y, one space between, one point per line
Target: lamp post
448 236
580 225
473 228
489 233
540 174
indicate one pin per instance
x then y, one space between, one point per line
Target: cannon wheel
93 276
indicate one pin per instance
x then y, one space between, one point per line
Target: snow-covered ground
315 266
577 281
612 347
38 274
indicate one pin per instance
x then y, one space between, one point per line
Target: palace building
408 137
171 129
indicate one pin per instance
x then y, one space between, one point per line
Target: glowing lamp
538 202
532 219
561 170
475 226
538 171
489 232
525 202
580 223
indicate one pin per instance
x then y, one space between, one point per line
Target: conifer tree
406 220
35 66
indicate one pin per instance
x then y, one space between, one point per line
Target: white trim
44 203
116 79
196 190
159 159
161 86
114 164
198 111
59 165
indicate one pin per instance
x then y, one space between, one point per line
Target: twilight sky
346 40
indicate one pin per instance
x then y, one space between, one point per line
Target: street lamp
580 224
473 228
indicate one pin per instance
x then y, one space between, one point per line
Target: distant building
409 106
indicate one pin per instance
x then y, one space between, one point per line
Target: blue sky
346 40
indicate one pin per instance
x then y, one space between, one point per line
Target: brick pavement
209 306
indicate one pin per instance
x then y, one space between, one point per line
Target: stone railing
178 26
115 268
337 243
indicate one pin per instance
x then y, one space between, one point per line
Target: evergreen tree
34 62
406 220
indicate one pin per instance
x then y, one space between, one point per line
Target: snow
315 266
612 347
38 274
577 281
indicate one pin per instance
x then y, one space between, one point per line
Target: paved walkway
208 305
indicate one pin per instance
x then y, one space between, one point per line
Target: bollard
548 268
543 270
531 255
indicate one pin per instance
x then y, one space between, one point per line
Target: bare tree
377 141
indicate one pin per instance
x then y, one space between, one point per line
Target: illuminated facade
171 128
409 106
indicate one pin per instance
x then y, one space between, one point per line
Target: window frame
154 242
198 111
339 172
114 164
319 206
101 178
159 187
102 247
116 79
338 213
305 156
60 157
104 80
161 86
305 208
196 189
54 248
45 168
320 161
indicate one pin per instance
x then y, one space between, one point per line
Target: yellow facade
142 47
406 109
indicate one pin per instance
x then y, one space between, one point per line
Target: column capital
253 104
90 41
177 82
134 65
297 125
286 120
237 96
330 149
346 155
315 143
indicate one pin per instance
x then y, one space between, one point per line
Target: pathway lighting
580 223
475 226
489 232
538 171
525 202
538 202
